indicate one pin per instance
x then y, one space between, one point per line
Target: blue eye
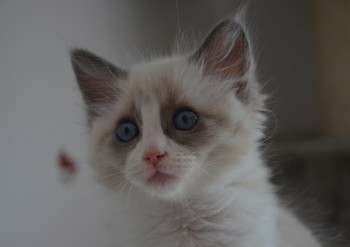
127 131
185 120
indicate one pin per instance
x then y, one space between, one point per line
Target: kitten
179 138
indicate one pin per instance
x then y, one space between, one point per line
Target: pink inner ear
230 65
95 90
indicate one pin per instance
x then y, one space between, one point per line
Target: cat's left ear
225 53
98 81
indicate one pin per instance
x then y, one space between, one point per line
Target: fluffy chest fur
224 218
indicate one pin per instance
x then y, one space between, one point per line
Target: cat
178 137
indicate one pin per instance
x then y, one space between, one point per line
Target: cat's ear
225 53
97 79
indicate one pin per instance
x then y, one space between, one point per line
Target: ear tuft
97 79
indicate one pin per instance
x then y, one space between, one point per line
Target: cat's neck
211 219
194 217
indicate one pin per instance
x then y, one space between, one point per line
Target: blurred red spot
66 163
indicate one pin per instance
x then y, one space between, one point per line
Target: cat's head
174 125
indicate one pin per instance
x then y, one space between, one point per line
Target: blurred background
303 54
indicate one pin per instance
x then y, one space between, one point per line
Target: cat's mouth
161 178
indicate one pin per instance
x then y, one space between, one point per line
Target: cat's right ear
225 53
97 79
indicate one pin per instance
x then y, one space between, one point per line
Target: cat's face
174 125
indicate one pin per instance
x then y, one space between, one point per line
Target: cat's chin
164 186
161 179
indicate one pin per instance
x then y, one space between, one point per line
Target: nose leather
154 156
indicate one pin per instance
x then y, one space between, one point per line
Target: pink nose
153 157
